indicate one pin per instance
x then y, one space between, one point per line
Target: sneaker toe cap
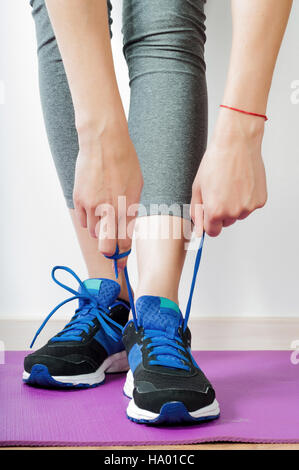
146 397
57 366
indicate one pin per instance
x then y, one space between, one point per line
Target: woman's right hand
107 167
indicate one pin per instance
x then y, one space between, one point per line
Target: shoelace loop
84 315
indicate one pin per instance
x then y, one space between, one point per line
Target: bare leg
160 257
97 265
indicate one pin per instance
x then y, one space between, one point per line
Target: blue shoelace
169 352
84 316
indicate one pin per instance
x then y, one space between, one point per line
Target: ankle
124 294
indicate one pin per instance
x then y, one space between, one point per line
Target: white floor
214 333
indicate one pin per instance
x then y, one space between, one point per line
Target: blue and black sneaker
164 382
89 345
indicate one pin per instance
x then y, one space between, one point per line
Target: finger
197 213
92 221
125 227
244 214
107 229
107 246
212 225
228 221
81 215
197 216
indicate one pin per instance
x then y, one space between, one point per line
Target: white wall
252 269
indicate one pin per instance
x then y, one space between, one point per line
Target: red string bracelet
244 112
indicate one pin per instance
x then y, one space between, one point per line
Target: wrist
108 125
233 124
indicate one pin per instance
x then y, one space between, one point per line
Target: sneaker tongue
106 289
158 313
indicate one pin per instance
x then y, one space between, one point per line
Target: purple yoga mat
258 392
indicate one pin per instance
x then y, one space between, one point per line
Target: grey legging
164 49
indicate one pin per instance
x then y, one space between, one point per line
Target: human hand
107 167
231 182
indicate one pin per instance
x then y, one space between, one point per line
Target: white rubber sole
129 384
139 415
116 363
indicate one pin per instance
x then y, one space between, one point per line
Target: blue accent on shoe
135 357
91 306
174 413
40 376
112 347
152 314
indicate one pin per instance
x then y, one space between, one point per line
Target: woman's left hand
231 182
